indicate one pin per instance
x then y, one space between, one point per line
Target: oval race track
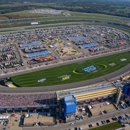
72 85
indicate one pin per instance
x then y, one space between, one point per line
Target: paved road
83 122
61 24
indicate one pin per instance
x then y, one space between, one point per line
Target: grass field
24 14
111 126
49 19
75 70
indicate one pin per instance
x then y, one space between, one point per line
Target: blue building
69 105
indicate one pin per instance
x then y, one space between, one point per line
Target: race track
67 86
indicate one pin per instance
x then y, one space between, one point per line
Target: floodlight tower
119 94
119 91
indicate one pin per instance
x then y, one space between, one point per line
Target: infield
52 75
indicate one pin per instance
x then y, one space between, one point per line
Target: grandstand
88 92
26 100
69 98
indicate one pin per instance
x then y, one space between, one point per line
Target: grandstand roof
84 90
70 103
70 97
38 54
31 44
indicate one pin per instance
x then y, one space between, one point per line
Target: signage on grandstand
64 77
89 69
41 80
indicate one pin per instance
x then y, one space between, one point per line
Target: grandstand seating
27 100
88 92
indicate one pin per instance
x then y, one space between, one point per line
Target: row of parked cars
4 122
10 64
97 124
33 49
77 128
121 118
90 125
6 49
96 49
7 56
79 117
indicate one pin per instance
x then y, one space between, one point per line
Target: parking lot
101 122
27 49
88 123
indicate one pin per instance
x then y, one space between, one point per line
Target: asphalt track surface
61 24
67 86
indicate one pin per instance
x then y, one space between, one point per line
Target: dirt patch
2 17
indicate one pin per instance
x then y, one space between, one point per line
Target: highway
66 86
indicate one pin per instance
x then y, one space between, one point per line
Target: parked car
75 128
77 117
97 124
107 121
82 117
127 116
72 123
103 122
90 125
80 128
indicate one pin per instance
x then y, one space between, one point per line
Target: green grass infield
73 72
